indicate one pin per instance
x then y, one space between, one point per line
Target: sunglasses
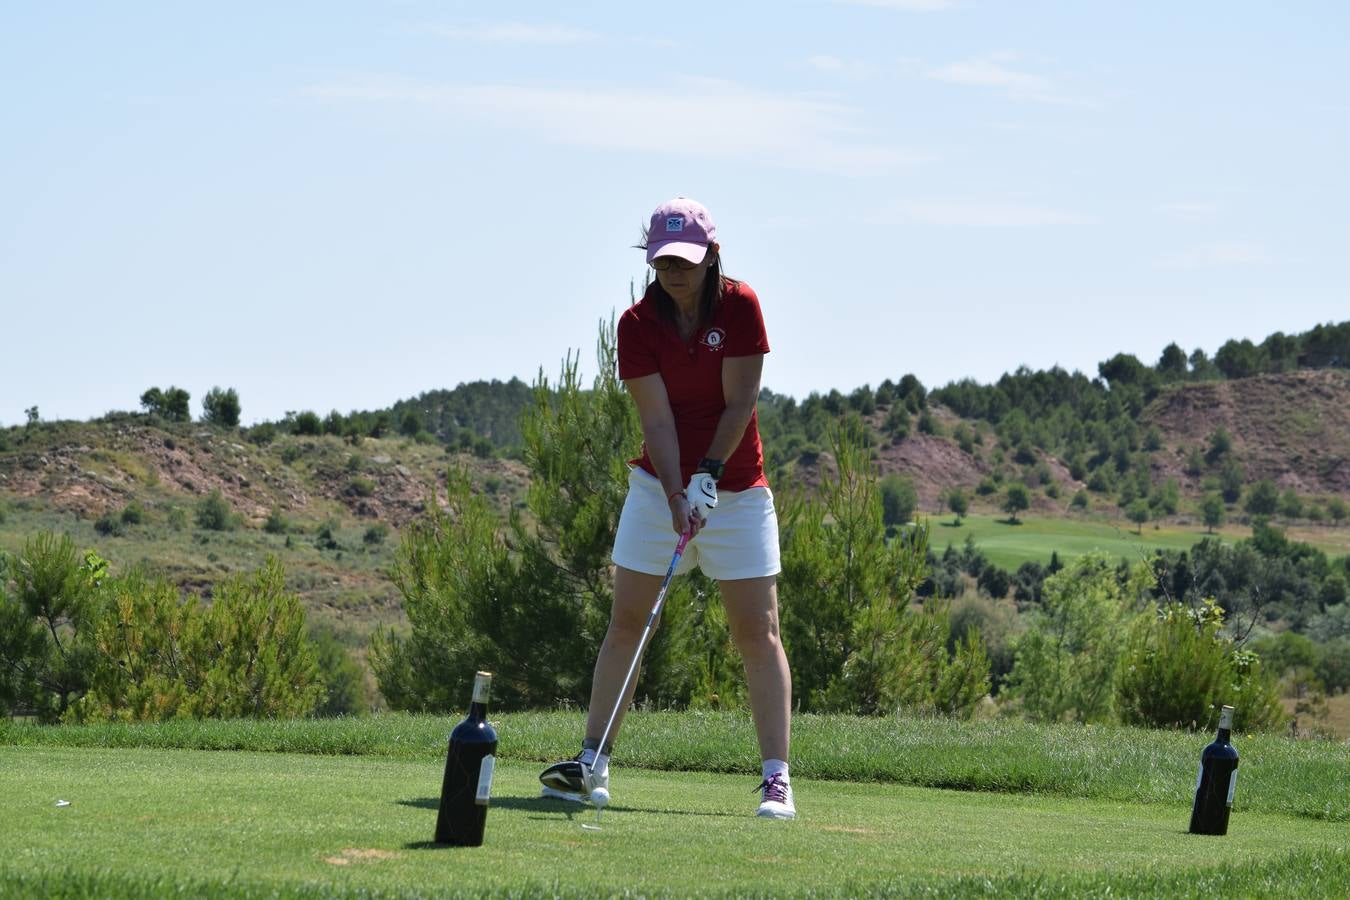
663 263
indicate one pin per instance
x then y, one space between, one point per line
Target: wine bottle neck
478 712
1224 735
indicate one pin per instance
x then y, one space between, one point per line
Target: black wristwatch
712 466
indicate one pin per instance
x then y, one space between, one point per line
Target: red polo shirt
692 372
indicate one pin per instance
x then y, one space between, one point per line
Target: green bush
375 534
159 657
214 513
361 486
898 500
177 518
133 514
276 522
847 623
928 424
326 539
308 423
1332 665
341 676
1178 669
1263 499
221 407
1067 661
263 434
475 590
49 608
109 525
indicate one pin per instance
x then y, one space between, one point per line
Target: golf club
642 641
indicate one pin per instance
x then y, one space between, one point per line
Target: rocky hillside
1293 428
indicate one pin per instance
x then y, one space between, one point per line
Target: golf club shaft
642 641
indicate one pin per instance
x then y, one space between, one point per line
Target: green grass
1108 763
1035 538
152 822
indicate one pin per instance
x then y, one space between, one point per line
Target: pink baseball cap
680 227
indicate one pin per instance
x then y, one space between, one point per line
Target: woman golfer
690 353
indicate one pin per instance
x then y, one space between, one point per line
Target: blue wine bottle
469 762
1217 782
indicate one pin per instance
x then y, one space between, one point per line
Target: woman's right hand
682 516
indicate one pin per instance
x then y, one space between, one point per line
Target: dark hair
714 284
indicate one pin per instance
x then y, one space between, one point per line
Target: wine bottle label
485 780
481 682
1232 787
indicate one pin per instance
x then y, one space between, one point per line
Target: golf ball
600 797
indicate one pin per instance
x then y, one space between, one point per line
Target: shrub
456 570
1332 665
1067 661
159 657
214 513
177 518
221 407
995 582
1262 499
1100 480
308 424
1213 511
1336 508
988 485
361 486
1178 670
958 503
1017 499
343 682
897 422
276 523
47 627
928 424
898 500
109 525
1080 500
263 434
375 534
133 514
855 642
326 539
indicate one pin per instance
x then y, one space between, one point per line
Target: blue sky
339 205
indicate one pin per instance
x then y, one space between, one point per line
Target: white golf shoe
776 799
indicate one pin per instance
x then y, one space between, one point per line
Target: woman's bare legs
634 594
752 614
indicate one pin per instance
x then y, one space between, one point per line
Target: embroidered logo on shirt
675 223
713 338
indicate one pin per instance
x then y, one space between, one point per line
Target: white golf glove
702 494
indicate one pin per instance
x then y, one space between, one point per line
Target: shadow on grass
1009 521
568 808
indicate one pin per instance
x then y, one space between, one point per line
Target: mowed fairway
151 821
1034 539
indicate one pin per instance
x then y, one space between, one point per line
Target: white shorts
739 541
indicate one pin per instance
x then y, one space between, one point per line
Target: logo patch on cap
674 223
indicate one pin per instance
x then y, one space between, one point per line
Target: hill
1292 428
